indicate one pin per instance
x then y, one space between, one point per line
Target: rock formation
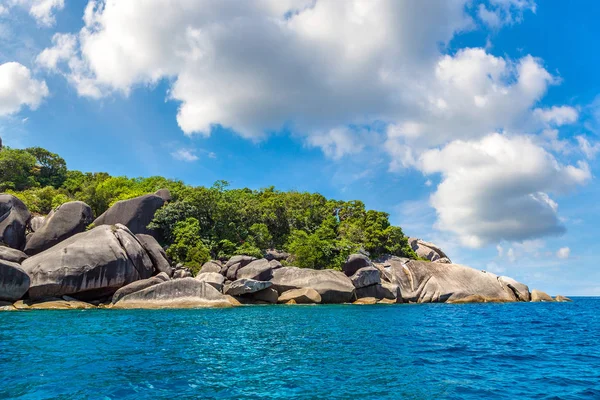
62 223
90 264
134 213
14 220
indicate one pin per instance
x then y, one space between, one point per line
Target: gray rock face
214 279
211 266
520 290
89 265
382 291
157 254
37 222
164 194
180 293
366 276
427 282
134 213
268 295
538 295
230 269
246 286
62 223
260 270
562 299
182 272
12 255
14 282
354 263
428 250
300 296
14 219
332 286
278 255
136 287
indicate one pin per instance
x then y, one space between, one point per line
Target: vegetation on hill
213 222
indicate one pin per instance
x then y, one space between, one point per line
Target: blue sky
473 123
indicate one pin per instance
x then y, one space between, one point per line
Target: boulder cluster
68 260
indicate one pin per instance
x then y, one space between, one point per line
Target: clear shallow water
545 351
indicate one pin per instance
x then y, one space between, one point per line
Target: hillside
217 222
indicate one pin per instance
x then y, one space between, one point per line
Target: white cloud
510 254
588 149
63 48
472 93
563 253
42 10
504 12
497 188
258 67
339 142
18 88
187 155
556 115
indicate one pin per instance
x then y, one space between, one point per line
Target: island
158 243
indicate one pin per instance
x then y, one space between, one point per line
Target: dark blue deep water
478 351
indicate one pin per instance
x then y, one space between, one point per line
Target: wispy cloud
187 155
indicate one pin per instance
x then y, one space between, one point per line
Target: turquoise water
545 351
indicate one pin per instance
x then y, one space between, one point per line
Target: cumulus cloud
563 253
18 88
188 155
557 115
498 188
588 149
42 10
504 12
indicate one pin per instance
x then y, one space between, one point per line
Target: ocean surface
472 351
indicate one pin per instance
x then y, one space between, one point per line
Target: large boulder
180 293
246 286
157 254
63 222
366 276
428 282
278 255
562 299
14 220
538 296
300 296
520 290
89 265
211 266
428 250
236 262
139 285
14 282
385 290
12 255
260 270
214 279
332 286
354 263
36 222
134 213
268 295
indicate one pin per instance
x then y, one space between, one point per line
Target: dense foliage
213 222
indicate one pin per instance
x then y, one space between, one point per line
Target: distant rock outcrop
178 293
428 250
332 286
539 296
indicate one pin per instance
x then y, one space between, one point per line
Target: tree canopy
213 222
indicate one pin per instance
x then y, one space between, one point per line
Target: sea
424 351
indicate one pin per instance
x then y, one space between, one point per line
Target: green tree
17 170
188 247
52 169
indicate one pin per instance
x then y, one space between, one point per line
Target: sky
474 124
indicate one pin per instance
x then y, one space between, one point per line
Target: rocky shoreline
66 260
